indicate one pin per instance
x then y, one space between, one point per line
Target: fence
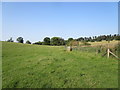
103 51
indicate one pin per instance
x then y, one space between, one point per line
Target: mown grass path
34 66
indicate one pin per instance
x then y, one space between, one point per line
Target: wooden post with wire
109 52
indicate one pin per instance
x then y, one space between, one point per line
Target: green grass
34 66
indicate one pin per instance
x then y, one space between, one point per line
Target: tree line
58 41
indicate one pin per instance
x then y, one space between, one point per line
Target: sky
36 20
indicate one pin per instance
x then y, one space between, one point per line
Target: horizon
60 37
36 20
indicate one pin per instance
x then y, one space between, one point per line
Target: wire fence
98 50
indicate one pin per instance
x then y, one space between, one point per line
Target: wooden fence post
108 53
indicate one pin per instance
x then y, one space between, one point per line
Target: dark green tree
80 39
62 41
46 41
117 37
38 43
10 40
28 42
20 40
70 39
57 41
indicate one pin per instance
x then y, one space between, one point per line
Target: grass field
35 66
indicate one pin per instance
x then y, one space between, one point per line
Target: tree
20 40
28 42
46 41
62 41
117 37
10 40
80 39
66 42
70 39
38 43
57 41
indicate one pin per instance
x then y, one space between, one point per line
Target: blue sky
35 20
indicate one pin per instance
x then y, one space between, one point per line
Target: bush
28 42
38 43
73 43
117 49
